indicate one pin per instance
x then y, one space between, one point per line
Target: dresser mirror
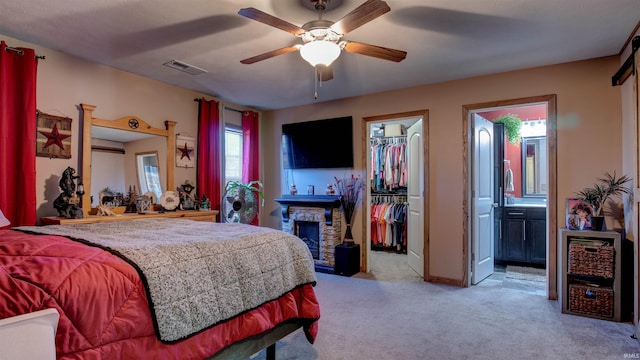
146 151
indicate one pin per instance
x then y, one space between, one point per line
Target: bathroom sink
537 205
528 202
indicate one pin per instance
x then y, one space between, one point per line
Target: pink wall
65 81
588 110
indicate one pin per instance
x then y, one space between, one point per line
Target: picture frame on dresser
578 214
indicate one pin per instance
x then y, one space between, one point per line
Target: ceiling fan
322 39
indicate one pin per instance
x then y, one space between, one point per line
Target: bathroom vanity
522 235
520 224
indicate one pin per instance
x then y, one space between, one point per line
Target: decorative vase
597 223
348 237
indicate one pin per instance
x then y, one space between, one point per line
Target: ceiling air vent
179 65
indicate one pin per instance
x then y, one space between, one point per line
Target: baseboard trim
445 281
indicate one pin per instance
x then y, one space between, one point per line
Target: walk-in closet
390 234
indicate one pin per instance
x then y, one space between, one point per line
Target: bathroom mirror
139 136
534 166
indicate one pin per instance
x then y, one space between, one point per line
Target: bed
236 288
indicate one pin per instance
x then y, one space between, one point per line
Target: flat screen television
319 144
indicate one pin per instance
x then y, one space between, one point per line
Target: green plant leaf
605 187
512 125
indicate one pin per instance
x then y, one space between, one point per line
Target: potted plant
512 125
598 195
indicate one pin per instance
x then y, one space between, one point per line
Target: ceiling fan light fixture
320 52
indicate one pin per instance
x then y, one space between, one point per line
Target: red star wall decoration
184 151
53 139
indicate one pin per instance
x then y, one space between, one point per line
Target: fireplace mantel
328 202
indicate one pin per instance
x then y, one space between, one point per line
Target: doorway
529 186
397 249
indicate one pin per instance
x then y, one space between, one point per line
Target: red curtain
18 68
208 170
250 150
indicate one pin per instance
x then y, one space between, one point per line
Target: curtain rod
225 107
232 109
21 52
628 68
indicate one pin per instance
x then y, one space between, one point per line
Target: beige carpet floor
367 318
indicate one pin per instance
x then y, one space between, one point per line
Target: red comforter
104 313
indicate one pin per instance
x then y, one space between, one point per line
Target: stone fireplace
316 220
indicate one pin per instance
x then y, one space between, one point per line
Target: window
233 153
148 173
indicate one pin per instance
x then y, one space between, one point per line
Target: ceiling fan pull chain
315 83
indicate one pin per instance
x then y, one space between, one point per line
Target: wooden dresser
90 219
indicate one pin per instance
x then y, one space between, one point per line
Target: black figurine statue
67 202
187 202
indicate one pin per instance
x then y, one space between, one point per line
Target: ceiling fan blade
325 73
361 15
269 54
375 51
263 17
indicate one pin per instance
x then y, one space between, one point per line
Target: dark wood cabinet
514 242
523 236
497 230
537 235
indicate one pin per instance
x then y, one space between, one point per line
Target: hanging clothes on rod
388 163
388 222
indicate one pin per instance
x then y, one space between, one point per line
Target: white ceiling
444 39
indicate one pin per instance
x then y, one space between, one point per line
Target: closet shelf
388 139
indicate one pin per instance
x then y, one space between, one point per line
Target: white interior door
482 200
415 197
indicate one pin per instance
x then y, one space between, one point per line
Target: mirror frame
524 142
123 123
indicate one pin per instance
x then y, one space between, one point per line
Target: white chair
29 336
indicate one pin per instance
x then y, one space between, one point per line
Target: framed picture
185 146
578 214
53 136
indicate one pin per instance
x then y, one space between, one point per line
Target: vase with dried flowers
349 189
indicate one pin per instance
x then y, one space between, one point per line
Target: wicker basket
591 300
592 260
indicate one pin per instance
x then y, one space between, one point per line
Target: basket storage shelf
591 260
589 282
591 300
